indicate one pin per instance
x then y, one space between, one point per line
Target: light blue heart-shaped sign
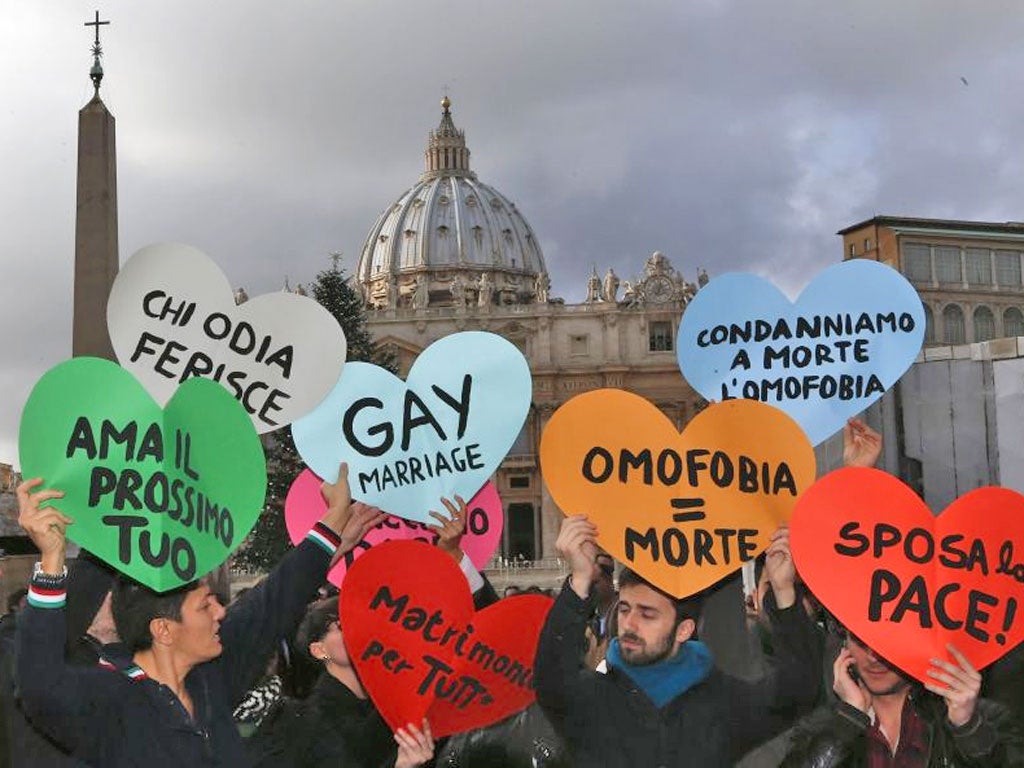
851 334
442 432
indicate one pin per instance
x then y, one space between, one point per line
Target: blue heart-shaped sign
849 337
442 432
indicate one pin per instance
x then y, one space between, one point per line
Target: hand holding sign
441 433
420 650
304 505
450 530
163 496
849 337
908 583
172 316
686 510
46 525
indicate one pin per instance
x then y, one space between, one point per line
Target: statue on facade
593 287
485 290
421 296
542 286
458 289
628 293
702 277
611 285
657 264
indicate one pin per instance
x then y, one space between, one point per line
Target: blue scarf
665 680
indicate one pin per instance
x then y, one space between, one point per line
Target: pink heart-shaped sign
305 505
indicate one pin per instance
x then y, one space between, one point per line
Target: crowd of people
99 670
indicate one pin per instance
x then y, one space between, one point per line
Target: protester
662 702
171 703
338 723
884 719
91 635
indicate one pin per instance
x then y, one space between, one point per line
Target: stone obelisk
96 257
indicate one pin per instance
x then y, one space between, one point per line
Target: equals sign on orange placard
692 513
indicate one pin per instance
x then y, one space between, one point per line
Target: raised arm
271 612
449 531
793 682
64 702
559 671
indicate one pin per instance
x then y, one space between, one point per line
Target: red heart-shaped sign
410 629
905 582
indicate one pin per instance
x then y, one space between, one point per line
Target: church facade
454 254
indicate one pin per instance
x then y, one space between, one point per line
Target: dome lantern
447 153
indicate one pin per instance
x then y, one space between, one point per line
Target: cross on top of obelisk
97 23
335 258
96 73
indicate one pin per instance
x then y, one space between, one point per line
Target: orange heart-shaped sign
907 583
682 510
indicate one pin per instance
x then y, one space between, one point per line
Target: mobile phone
854 674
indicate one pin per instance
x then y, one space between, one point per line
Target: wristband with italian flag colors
47 591
323 536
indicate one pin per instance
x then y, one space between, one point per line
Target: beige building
968 273
454 254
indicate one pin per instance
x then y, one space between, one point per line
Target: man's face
647 626
878 677
196 635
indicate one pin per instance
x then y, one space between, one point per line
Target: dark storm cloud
729 135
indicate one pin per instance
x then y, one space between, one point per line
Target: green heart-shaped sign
163 495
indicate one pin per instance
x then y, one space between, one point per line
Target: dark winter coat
835 737
608 721
109 719
340 729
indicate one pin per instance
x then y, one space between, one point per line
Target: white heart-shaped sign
172 315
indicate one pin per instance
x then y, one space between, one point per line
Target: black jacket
28 747
835 737
111 720
340 729
608 721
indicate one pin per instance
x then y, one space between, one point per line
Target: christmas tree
269 540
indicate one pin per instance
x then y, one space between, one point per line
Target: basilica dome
451 240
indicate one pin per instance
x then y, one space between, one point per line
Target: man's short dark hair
686 607
135 606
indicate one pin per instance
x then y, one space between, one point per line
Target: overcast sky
728 135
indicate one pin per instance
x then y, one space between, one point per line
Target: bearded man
662 702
